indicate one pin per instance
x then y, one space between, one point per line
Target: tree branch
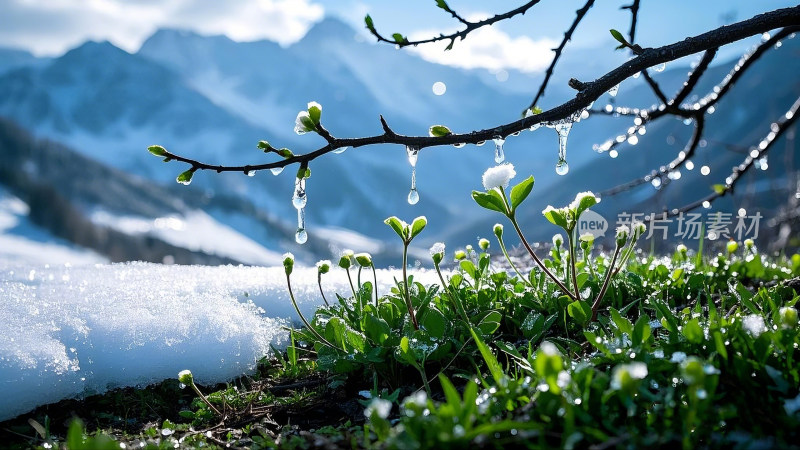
567 36
590 92
470 27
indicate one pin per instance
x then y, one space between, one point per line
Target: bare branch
470 27
590 92
776 130
567 36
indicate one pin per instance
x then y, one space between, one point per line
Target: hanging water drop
301 236
299 198
480 143
562 168
276 170
499 155
250 173
535 126
413 196
660 67
340 150
459 145
656 182
613 91
562 128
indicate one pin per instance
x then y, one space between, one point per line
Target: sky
51 27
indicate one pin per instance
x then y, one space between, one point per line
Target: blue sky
50 27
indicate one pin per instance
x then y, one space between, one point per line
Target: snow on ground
196 231
74 330
23 242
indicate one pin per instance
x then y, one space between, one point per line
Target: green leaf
284 152
719 188
556 217
376 329
315 112
585 203
442 4
491 362
520 192
185 177
580 311
490 322
368 21
405 352
467 266
397 226
641 331
451 394
264 145
399 38
618 36
303 172
434 323
439 131
623 324
693 332
417 226
157 150
450 45
490 200
75 434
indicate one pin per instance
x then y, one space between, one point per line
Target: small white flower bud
483 244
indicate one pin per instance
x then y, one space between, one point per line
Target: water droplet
480 143
674 175
660 67
340 150
301 236
439 88
276 170
613 91
535 126
299 199
413 197
656 182
562 167
413 153
250 173
499 155
705 170
562 128
459 145
185 182
516 133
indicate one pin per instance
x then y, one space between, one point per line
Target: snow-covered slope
70 331
22 242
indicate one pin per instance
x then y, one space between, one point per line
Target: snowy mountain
212 99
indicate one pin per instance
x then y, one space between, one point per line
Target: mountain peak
329 28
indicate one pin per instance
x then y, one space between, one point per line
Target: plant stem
453 298
319 283
305 322
571 242
204 399
352 288
539 261
508 258
375 286
405 288
609 274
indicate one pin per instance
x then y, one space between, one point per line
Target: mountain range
213 99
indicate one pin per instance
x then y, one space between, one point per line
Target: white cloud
488 48
49 27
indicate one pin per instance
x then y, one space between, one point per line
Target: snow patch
73 331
